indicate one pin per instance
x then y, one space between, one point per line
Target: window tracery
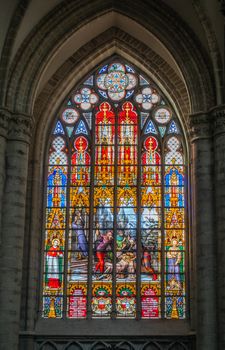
115 202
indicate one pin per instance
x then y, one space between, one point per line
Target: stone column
13 224
219 143
203 204
4 118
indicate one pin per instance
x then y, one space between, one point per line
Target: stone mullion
204 229
138 230
91 251
162 231
115 218
13 227
219 143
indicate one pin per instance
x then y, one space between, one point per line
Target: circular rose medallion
162 115
116 82
70 115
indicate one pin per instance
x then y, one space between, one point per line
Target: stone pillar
13 224
4 118
204 229
219 143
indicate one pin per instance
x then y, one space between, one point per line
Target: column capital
20 127
218 114
4 121
200 126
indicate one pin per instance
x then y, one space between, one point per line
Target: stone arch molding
50 34
112 42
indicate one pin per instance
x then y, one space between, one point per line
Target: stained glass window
116 211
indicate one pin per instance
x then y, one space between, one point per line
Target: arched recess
100 345
51 98
151 346
37 159
48 346
73 346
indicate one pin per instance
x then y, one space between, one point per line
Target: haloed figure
174 258
81 240
54 263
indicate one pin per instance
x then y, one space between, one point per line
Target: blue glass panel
58 129
144 117
174 177
162 130
89 81
129 93
81 129
57 176
103 93
129 69
174 196
150 128
69 130
88 118
69 103
103 69
143 81
173 128
56 196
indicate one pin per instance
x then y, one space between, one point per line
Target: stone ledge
16 126
218 114
200 126
117 343
20 127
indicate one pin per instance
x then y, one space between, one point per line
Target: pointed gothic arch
116 175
